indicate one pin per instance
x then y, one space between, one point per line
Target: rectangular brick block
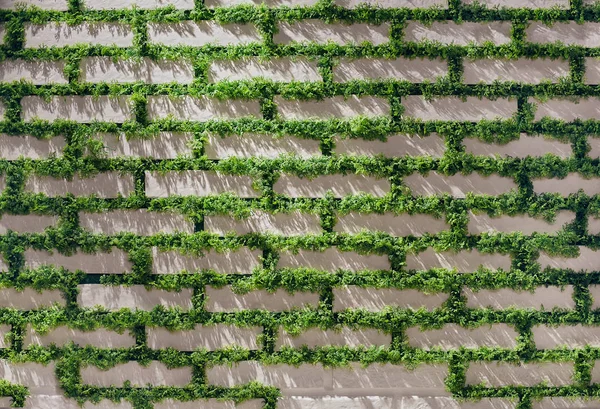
453 336
210 337
155 374
411 4
240 261
339 185
225 300
392 402
187 108
315 337
592 71
77 108
38 378
55 5
275 69
376 299
268 3
198 183
103 185
595 294
2 33
524 70
458 185
26 223
565 109
482 223
497 374
4 342
593 225
141 222
565 336
571 184
568 33
30 299
201 33
250 145
453 108
210 404
545 298
496 32
332 260
526 145
140 4
395 145
90 33
37 72
165 145
395 225
571 402
12 147
413 70
284 224
333 107
135 297
106 69
115 262
588 260
466 261
530 4
320 32
63 335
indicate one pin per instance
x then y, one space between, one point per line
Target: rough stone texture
209 404
321 32
411 4
268 3
114 298
26 223
225 300
593 225
526 145
37 377
482 223
56 5
338 185
260 145
453 336
198 183
209 337
595 294
141 4
105 69
155 374
395 145
12 147
197 34
545 298
525 70
568 33
77 108
275 69
63 35
565 336
165 145
414 70
376 299
455 109
240 261
565 403
332 260
571 184
333 107
30 299
37 72
497 32
315 337
466 261
391 402
187 108
458 185
285 224
61 336
104 185
567 109
498 374
592 71
395 225
115 262
588 260
530 4
140 222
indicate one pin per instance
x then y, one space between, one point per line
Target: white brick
38 378
333 107
210 337
391 402
482 223
592 71
30 299
26 223
568 33
198 183
56 5
376 299
4 331
114 298
593 225
571 184
165 145
571 402
106 69
285 224
545 298
274 69
395 225
209 404
260 145
12 147
338 185
187 108
197 34
526 145
595 294
498 374
140 222
240 261
155 374
140 4
395 145
588 260
63 35
449 32
458 185
466 261
524 70
411 4
103 185
268 3
63 335
530 4
413 70
332 260
321 32
114 262
453 108
565 109
77 108
453 336
315 337
565 336
37 72
225 300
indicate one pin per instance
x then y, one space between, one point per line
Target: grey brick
240 261
38 72
498 374
320 32
198 183
455 109
449 32
210 337
376 299
395 225
332 259
77 108
413 70
260 145
339 185
466 261
225 300
114 298
140 222
545 298
395 145
188 108
275 69
201 33
285 224
333 107
524 70
106 69
56 34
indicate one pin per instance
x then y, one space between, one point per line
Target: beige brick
497 32
338 185
55 400
285 224
332 260
155 374
240 261
225 300
571 402
114 262
596 372
568 33
12 147
198 183
4 331
2 110
333 107
455 109
526 145
37 72
106 69
391 402
567 110
141 4
545 298
594 143
376 299
530 4
77 108
498 374
321 32
38 378
262 145
482 223
525 70
26 223
201 33
104 185
187 108
413 70
140 222
466 261
30 299
411 4
453 336
395 225
56 5
56 34
565 336
210 337
210 404
315 337
268 3
395 145
593 225
592 71
63 335
595 294
588 260
458 185
571 184
165 145
275 69
136 297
